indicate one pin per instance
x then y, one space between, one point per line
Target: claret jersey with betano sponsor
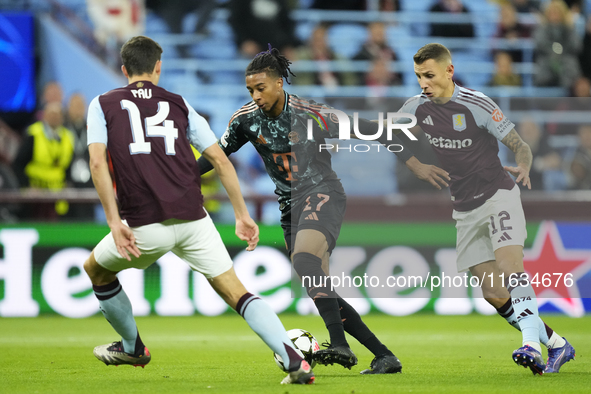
463 132
148 132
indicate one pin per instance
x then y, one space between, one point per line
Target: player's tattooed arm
523 158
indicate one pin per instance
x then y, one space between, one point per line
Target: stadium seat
417 28
482 7
304 30
486 16
415 5
397 38
346 38
218 109
396 33
405 54
180 82
220 29
355 174
473 80
226 77
155 24
216 48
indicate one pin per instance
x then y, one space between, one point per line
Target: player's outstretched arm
368 127
204 165
246 228
99 169
428 173
523 158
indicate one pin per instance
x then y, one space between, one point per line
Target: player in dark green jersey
311 197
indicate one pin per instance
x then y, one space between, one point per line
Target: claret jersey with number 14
148 131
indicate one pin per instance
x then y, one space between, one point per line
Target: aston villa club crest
459 122
293 137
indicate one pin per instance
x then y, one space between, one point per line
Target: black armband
367 127
204 165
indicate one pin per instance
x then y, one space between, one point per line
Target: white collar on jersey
454 96
286 99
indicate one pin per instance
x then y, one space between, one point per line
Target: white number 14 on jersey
156 126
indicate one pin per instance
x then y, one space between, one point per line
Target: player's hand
521 175
124 241
247 230
428 173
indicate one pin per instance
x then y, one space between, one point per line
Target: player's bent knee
98 275
90 266
492 293
229 287
316 282
307 264
496 302
87 267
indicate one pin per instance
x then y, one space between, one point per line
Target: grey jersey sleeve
409 107
97 124
199 133
496 123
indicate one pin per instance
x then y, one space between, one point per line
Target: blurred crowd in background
53 155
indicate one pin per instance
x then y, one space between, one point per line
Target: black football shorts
321 209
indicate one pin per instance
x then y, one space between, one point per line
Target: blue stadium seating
304 30
354 170
347 38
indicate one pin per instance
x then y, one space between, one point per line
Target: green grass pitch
439 354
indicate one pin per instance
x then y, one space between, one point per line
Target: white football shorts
197 242
499 222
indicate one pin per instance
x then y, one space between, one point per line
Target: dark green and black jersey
294 163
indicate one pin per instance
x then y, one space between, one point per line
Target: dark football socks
318 286
355 327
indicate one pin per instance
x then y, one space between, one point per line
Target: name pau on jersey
142 93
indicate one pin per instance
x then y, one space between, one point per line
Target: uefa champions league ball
305 344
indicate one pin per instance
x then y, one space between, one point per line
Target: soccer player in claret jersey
275 123
463 127
148 132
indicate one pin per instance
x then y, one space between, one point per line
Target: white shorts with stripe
499 222
197 242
